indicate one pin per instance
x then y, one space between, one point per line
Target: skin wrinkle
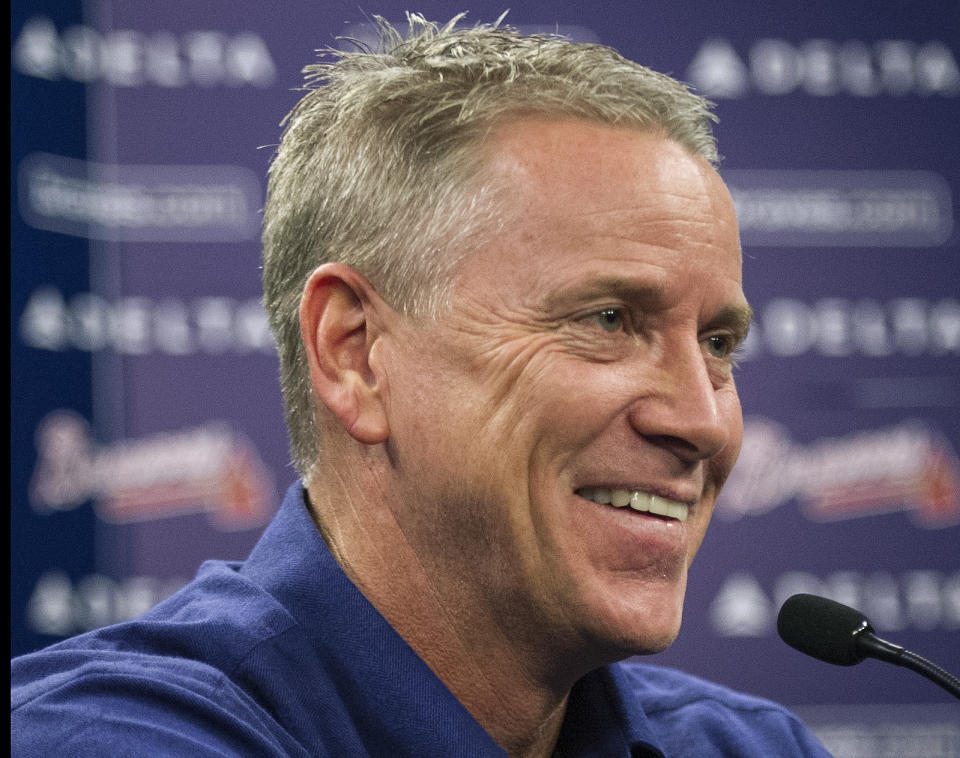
509 372
508 713
330 527
486 339
618 292
647 217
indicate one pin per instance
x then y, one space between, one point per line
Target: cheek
564 405
520 391
719 467
733 417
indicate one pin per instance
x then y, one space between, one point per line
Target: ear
338 336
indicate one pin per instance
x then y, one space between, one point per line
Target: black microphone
838 634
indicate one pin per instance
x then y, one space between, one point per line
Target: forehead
597 167
583 194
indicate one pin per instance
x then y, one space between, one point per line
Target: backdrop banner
147 431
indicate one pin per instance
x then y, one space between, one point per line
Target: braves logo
908 467
209 469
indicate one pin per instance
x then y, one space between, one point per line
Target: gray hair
380 165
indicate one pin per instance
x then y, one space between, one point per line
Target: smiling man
504 276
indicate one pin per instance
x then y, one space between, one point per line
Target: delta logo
210 469
908 467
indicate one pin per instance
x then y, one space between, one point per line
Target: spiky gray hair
380 165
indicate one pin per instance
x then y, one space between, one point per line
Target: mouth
638 500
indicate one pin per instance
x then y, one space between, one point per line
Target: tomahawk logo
907 467
210 469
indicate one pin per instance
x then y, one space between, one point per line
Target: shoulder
217 619
168 683
136 704
693 716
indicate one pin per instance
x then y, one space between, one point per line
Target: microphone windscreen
822 628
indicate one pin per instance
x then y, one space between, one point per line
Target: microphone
838 634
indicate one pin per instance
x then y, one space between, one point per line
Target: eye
609 319
720 345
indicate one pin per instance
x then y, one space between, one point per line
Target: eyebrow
604 286
736 318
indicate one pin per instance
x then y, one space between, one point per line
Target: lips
638 500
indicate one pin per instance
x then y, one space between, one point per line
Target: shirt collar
604 718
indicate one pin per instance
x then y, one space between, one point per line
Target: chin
655 644
650 641
645 632
611 650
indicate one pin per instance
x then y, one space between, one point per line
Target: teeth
638 501
601 496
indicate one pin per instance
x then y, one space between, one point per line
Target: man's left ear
340 338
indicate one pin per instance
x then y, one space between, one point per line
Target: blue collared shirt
281 655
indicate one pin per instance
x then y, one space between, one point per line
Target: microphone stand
872 646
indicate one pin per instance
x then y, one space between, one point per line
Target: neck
517 704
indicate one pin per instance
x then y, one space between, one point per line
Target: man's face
586 358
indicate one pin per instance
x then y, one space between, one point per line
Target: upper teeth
638 500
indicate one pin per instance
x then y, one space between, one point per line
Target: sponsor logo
924 730
129 58
793 208
210 469
139 203
60 607
839 327
823 68
908 467
136 325
921 599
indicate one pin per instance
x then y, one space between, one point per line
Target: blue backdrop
147 430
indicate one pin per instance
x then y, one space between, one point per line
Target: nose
679 405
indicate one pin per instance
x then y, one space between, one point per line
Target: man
504 278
